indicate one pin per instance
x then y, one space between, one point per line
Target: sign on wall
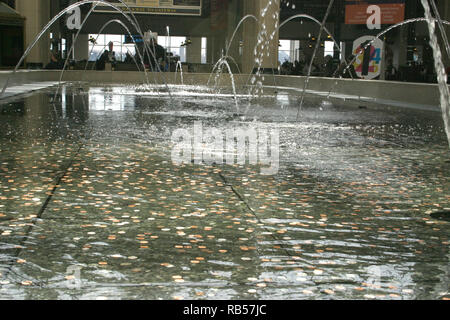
368 60
392 11
73 18
166 7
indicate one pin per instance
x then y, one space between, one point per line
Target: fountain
219 65
179 66
132 20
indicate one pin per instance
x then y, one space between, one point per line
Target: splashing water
439 66
72 49
219 67
263 43
440 69
237 28
378 36
306 16
314 56
180 67
224 62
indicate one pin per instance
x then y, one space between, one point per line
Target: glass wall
289 51
284 52
99 43
329 48
174 45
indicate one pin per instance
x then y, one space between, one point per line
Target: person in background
55 61
108 56
314 69
100 63
286 67
128 58
111 54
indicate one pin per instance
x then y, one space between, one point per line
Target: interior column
37 15
261 39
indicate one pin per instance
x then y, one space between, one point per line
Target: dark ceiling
200 26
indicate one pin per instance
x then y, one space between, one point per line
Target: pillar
261 35
194 51
81 48
209 50
216 48
37 15
234 16
219 29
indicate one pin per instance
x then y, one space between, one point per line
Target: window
204 49
284 51
120 48
63 48
172 44
329 48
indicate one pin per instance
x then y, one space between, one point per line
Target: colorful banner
166 7
392 11
368 57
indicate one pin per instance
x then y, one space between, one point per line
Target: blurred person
55 61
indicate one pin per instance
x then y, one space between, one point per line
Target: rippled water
92 206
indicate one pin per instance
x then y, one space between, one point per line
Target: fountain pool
93 207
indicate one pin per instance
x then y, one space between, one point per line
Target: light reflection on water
347 216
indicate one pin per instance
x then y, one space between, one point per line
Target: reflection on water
109 99
347 216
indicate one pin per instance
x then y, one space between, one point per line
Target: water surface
88 184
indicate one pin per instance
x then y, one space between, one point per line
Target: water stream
440 68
